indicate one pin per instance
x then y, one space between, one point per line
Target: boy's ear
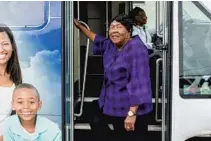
40 104
13 107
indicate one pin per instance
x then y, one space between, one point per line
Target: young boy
26 125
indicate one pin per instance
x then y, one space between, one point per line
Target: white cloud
41 73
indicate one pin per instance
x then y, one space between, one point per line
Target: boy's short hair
28 86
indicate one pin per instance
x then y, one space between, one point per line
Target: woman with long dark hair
10 72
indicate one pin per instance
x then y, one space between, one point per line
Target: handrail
85 71
157 89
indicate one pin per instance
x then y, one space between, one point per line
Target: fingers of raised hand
129 126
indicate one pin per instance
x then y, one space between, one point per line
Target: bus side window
24 15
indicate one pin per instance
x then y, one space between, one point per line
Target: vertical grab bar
165 39
85 70
157 90
79 64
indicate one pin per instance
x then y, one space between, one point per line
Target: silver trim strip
164 71
90 99
69 13
86 126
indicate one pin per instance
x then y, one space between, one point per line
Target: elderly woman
126 92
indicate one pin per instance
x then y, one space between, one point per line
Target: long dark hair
13 66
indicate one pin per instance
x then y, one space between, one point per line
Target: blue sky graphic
40 58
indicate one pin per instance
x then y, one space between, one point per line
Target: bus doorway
180 110
87 85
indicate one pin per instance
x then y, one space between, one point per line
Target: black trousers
101 131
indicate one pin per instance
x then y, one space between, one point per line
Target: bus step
86 126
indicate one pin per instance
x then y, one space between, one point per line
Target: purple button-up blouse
126 77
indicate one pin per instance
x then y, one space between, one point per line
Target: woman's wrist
131 113
133 109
